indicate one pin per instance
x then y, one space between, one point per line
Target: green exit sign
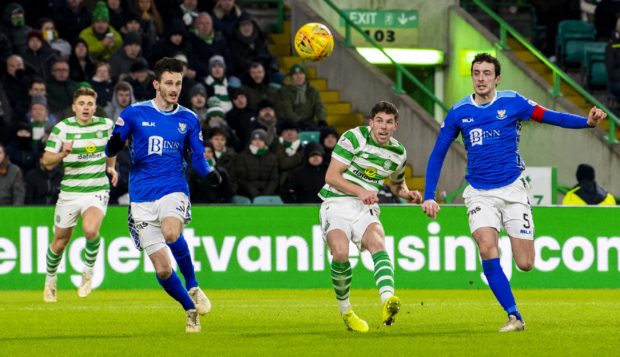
382 18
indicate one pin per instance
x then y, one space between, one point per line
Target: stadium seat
593 70
241 200
268 200
309 136
573 36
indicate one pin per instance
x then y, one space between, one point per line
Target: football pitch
307 322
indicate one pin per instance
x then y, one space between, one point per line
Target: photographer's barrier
282 247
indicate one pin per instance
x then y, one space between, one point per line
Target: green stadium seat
241 200
309 136
573 36
268 200
593 69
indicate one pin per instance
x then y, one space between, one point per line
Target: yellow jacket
572 198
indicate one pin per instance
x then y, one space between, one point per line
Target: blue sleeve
564 120
449 131
199 163
124 123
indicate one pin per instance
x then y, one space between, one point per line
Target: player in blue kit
497 195
160 132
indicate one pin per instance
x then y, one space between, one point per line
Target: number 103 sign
389 28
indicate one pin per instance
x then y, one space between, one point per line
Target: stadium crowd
250 113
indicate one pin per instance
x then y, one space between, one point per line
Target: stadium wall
259 247
541 145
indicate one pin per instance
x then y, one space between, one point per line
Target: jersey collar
473 102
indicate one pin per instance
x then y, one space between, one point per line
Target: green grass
306 322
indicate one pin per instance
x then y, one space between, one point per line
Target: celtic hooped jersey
85 166
369 163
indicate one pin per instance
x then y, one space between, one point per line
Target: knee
526 265
340 254
91 233
170 234
164 272
375 245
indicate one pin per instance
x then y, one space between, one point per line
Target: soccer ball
314 41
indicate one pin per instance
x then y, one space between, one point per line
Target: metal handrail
558 74
400 70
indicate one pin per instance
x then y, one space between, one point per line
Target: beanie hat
327 131
289 125
259 134
214 102
265 103
297 68
215 112
217 59
37 34
101 13
38 99
313 148
198 89
132 38
585 172
237 92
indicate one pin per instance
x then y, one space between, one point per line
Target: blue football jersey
158 141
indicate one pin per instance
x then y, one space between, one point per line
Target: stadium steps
339 113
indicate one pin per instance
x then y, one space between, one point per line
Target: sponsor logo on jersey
148 123
120 121
157 145
182 128
501 114
370 171
364 176
476 135
99 134
90 147
468 120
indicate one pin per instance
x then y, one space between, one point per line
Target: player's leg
91 223
171 283
172 222
53 259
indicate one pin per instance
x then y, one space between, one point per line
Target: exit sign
390 28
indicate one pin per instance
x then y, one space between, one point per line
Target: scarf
300 94
258 152
290 147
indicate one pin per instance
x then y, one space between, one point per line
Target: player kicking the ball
79 143
160 132
363 158
497 195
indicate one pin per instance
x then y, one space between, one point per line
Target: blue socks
180 251
174 288
500 286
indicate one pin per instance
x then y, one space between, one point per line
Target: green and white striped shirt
369 163
85 166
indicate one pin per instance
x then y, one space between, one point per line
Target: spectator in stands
38 56
305 182
152 22
6 48
288 150
302 102
257 85
40 119
117 14
130 53
224 156
134 25
186 12
217 83
43 184
12 190
249 45
71 18
587 191
215 115
6 115
198 98
207 42
256 168
102 39
612 62
60 88
141 80
102 84
201 191
81 65
15 27
265 119
239 119
173 43
122 98
328 138
226 13
61 46
23 151
16 84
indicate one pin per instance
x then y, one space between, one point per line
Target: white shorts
71 205
506 207
145 219
350 215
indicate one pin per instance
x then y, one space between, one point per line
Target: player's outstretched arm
595 116
401 190
334 178
567 120
431 208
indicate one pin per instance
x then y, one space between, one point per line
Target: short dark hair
384 107
37 80
485 57
167 64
